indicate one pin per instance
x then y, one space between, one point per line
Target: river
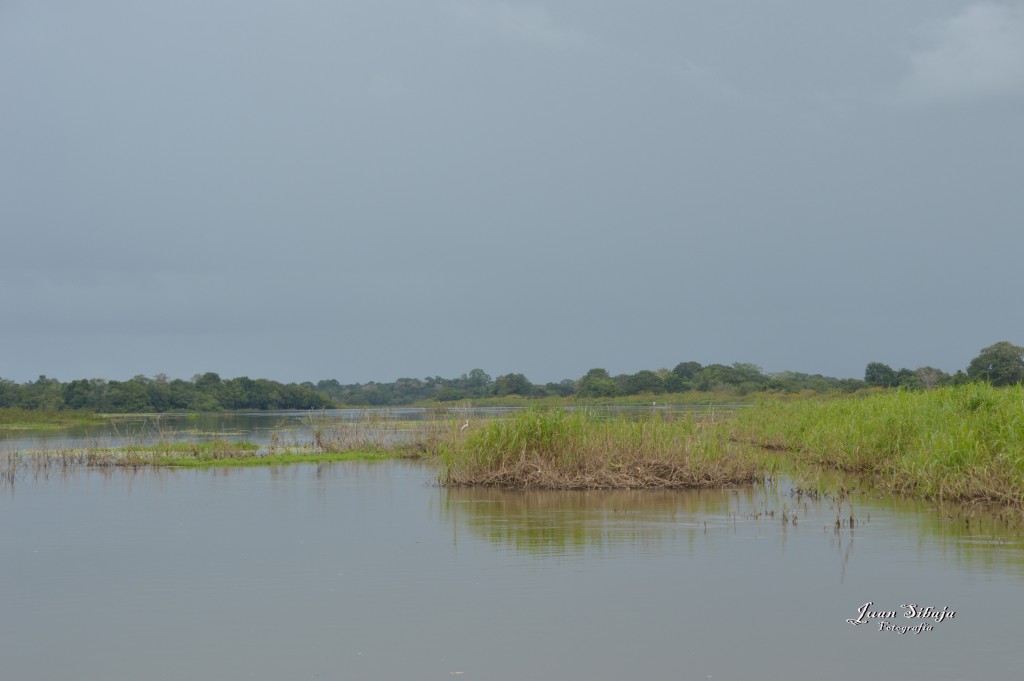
371 571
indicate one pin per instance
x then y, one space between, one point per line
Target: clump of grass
558 449
959 443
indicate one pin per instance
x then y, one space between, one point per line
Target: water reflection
649 522
264 428
368 570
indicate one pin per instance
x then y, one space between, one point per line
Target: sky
375 189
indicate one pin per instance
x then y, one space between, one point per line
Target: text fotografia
886 618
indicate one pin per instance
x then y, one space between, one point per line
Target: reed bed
959 443
557 449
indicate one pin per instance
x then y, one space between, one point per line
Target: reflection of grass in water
549 521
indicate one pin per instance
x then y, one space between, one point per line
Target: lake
370 571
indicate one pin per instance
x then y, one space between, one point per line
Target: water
369 571
261 426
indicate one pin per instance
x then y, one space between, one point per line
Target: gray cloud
368 190
978 53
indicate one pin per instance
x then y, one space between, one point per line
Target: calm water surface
368 571
261 426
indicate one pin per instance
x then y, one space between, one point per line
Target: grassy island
586 450
959 443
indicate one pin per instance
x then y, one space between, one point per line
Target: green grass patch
15 418
959 443
558 449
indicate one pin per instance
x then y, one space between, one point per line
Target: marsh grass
961 443
581 449
380 432
15 418
15 467
373 437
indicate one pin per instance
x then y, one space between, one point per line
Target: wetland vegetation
585 449
691 382
957 443
922 434
962 443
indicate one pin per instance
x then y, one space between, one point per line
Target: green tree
597 383
644 382
687 370
8 393
905 378
512 384
999 364
721 377
881 375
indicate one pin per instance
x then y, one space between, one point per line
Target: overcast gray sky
373 189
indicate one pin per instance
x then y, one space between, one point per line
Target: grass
954 444
15 418
558 449
961 443
183 455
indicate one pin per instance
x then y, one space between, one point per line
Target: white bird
464 426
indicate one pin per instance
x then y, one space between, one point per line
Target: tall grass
583 450
955 443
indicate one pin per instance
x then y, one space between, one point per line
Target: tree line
206 392
999 364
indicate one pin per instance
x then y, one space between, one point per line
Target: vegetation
999 364
16 417
961 443
956 443
581 450
38 463
206 392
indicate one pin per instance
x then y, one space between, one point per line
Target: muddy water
368 571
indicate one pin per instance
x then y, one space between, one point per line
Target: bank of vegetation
950 438
956 443
688 382
583 449
372 437
29 419
961 443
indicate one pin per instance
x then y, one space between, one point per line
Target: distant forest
999 364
